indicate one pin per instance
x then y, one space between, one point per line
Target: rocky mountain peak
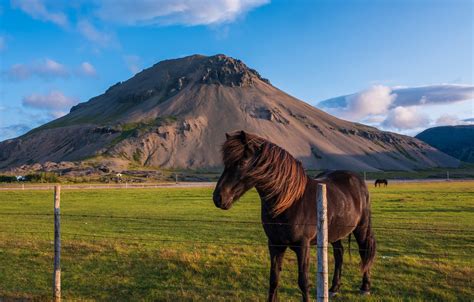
224 70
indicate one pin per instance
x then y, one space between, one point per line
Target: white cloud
434 94
133 63
413 96
48 69
54 101
447 119
51 68
91 33
135 12
452 120
45 68
139 12
399 107
87 69
57 114
373 101
403 118
187 12
37 10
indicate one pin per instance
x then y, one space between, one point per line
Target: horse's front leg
303 254
276 257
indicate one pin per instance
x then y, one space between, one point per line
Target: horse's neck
268 202
261 192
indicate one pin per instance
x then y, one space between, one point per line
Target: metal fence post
57 246
322 244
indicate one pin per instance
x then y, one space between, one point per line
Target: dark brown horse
381 182
288 198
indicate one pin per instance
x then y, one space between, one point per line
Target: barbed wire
68 293
381 252
440 280
187 220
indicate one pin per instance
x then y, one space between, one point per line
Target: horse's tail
369 246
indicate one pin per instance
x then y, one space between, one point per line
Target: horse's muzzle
218 201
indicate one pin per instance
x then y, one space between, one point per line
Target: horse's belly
280 234
340 228
290 234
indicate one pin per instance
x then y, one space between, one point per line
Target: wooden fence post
322 244
57 246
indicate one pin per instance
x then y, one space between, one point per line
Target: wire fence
464 248
96 186
369 178
102 254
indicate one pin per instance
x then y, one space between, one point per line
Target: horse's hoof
332 294
365 292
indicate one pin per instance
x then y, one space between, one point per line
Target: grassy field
174 245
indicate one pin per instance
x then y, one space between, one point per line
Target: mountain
457 141
175 113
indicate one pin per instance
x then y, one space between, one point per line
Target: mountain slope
175 114
457 141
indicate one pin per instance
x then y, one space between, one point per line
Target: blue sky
54 54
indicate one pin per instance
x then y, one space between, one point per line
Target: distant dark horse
288 199
379 182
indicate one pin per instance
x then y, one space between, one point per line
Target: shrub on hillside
6 178
42 177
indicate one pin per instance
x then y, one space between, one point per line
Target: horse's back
348 199
344 179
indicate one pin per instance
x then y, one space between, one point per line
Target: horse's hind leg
276 258
338 258
366 241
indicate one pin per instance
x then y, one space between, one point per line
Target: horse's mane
275 171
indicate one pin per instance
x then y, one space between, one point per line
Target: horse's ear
243 137
227 135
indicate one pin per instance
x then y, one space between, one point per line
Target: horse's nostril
217 199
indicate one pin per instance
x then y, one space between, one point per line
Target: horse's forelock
232 150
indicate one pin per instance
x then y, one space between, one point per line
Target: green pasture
174 245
